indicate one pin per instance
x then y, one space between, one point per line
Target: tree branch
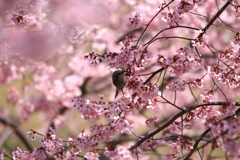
14 126
176 116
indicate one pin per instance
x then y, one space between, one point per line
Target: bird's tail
116 94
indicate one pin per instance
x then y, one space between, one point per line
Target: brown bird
119 80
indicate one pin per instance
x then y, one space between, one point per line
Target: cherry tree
180 63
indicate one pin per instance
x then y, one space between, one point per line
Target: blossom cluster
181 67
131 56
136 21
175 16
184 61
226 74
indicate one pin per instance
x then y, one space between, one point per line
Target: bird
119 80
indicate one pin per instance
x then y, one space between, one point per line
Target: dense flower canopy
180 65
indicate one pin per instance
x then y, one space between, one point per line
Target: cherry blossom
1 154
135 22
181 65
91 156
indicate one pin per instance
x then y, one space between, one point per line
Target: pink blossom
24 155
164 62
31 136
177 85
184 7
136 21
70 155
82 69
190 120
1 154
30 17
227 110
118 152
201 41
150 122
9 71
182 144
89 110
123 125
197 83
94 58
51 143
185 144
91 156
13 95
19 154
231 147
176 127
66 49
225 76
26 110
215 145
175 148
149 144
173 18
185 61
18 16
171 157
38 154
207 96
